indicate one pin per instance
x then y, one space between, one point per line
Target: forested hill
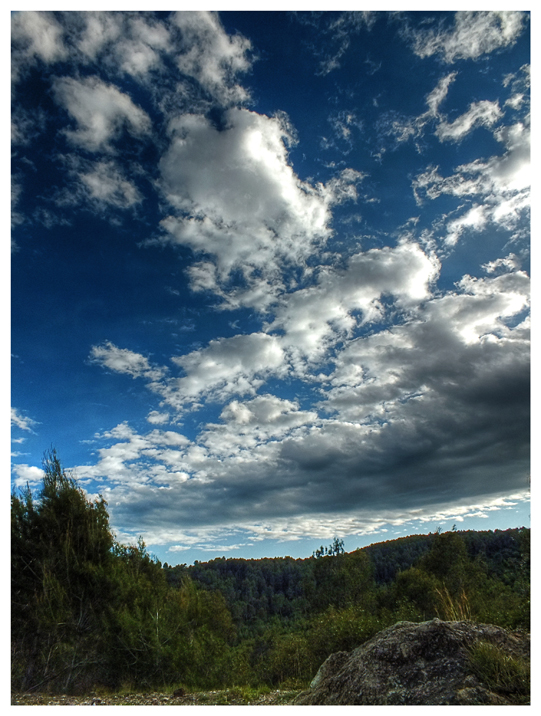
257 590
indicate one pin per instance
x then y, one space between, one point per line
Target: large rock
409 663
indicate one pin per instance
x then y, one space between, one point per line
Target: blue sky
270 272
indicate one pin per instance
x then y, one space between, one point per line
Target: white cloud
487 303
500 184
157 418
462 334
211 56
239 175
474 219
310 321
409 402
96 31
479 114
474 34
249 425
511 172
482 113
21 421
439 93
405 128
35 35
105 183
139 463
435 399
314 317
100 110
130 43
122 360
240 202
140 52
226 366
27 474
511 262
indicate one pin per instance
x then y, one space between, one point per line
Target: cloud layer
355 267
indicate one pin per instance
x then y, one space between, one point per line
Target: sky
270 272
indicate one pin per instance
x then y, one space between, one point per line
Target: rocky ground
200 698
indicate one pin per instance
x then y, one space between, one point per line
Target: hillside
257 590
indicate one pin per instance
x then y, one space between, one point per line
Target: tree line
88 612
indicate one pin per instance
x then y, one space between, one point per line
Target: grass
500 672
455 609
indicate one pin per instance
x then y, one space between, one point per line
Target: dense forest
88 612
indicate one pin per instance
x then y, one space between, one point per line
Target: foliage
88 611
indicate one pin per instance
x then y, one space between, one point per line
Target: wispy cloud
474 34
21 421
483 114
213 57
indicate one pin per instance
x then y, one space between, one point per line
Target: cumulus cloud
101 112
130 43
461 334
314 317
27 475
421 392
437 402
251 424
511 262
474 34
241 172
157 418
226 366
94 31
474 219
239 202
141 47
308 323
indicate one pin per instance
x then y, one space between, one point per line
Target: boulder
424 664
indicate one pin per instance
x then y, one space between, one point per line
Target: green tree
87 610
61 551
